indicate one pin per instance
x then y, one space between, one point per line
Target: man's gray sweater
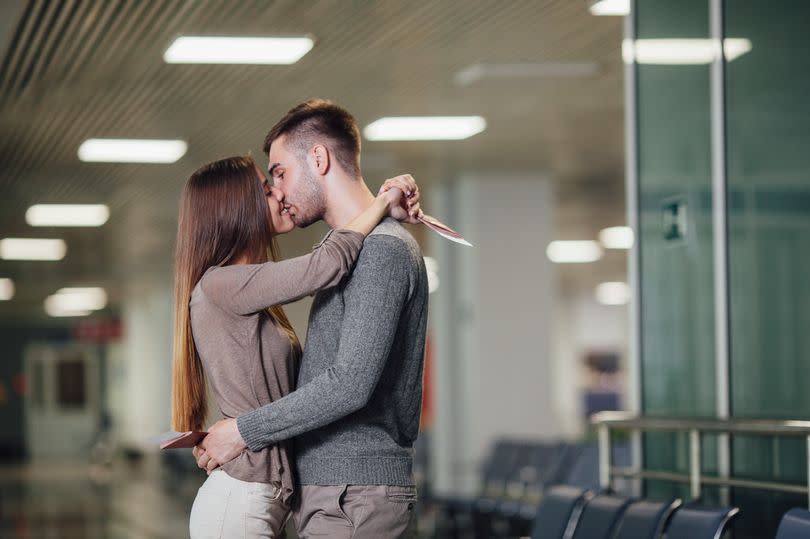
355 413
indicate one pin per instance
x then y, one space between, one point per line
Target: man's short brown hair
320 119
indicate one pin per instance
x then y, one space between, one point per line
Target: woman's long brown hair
223 218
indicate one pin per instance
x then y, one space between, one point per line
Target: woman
230 327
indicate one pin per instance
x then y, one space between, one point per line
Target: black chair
600 516
583 471
700 523
514 516
497 478
455 515
559 514
646 519
794 525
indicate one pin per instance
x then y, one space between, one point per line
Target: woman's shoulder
215 281
221 284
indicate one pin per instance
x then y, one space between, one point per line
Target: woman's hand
401 195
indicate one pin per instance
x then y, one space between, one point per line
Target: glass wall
768 160
766 115
675 243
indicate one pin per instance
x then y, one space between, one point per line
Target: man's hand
223 444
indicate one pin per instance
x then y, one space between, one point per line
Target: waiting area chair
646 520
559 514
600 517
700 522
794 525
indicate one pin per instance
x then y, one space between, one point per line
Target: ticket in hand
443 230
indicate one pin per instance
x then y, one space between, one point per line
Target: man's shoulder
390 238
392 250
389 227
390 259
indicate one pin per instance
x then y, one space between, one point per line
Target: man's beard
313 201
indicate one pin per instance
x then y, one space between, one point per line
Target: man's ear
319 155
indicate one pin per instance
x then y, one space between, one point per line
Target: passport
177 440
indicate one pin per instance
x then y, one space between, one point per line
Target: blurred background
639 207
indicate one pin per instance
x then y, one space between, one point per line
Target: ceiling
75 69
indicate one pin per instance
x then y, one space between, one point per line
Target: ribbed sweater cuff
252 429
367 470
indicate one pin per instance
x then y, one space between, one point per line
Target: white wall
146 354
492 323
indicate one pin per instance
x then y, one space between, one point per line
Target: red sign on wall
98 331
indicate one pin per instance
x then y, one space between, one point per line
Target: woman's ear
320 159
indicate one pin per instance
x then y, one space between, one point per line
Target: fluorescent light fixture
682 51
573 252
75 301
111 150
476 72
610 7
32 249
84 298
425 128
734 47
616 237
237 50
67 215
6 289
613 293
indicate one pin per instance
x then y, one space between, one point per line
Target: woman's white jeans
232 509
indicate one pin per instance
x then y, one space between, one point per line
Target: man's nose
276 193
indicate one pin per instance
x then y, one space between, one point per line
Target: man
355 413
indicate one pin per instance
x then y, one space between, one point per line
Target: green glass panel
677 292
768 159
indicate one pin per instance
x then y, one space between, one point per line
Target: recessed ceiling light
237 50
616 237
610 7
111 150
682 51
425 128
573 252
75 301
6 289
613 293
32 249
67 215
477 72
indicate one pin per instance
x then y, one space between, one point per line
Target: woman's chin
285 227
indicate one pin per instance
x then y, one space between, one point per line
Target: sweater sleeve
249 288
373 299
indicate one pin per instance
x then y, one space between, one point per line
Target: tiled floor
145 499
73 500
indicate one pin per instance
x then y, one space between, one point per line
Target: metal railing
621 421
